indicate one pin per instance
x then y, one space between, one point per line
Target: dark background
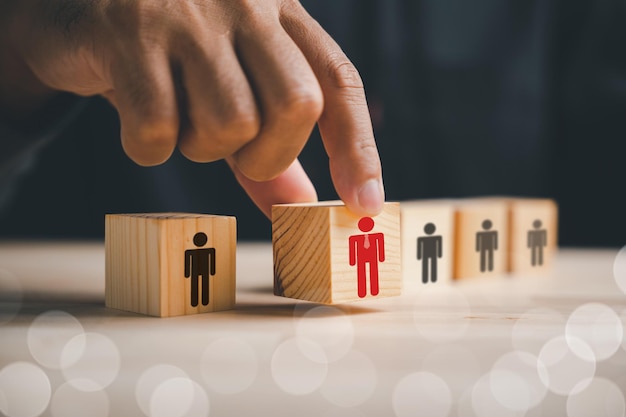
520 98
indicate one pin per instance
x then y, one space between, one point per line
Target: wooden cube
427 229
533 234
481 237
170 264
326 254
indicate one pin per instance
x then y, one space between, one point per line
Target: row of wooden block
520 234
316 246
168 264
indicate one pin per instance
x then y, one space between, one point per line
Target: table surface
508 346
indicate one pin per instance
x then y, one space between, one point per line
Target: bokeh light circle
150 379
441 313
351 380
298 373
328 327
599 327
565 370
68 401
464 406
179 397
229 366
10 296
98 365
510 390
516 381
48 335
482 401
623 318
25 389
599 397
421 394
619 269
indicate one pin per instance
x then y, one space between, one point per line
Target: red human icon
367 249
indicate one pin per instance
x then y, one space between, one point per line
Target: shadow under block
149 255
312 249
427 228
481 237
533 227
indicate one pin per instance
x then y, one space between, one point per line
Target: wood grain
470 218
145 262
518 221
311 252
523 213
415 215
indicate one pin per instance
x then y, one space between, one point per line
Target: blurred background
523 98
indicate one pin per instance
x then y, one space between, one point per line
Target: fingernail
371 197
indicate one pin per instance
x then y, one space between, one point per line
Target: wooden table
508 346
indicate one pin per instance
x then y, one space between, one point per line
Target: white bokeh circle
565 371
351 380
150 379
97 366
68 401
510 390
48 335
10 296
619 269
599 327
481 401
229 365
179 397
600 397
623 318
328 327
441 313
464 406
298 373
25 389
516 381
423 394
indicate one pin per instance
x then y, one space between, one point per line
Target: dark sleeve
19 146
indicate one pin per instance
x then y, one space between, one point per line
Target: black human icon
428 250
486 244
537 240
199 263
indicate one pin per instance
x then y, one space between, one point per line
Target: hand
244 80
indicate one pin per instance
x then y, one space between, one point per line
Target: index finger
345 123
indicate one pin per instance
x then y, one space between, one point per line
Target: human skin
240 80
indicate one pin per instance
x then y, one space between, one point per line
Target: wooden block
170 264
326 254
533 234
481 237
427 228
